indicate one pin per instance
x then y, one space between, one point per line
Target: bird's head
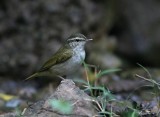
77 40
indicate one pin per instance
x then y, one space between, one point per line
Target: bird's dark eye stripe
77 40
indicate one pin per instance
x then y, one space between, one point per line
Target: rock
14 103
81 102
9 115
105 60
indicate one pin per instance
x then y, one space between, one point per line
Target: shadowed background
124 33
31 31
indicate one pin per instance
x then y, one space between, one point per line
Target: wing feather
60 56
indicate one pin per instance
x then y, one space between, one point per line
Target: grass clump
101 96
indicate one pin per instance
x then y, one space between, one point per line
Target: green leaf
107 72
62 106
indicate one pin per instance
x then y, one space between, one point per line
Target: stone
81 102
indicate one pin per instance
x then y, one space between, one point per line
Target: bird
67 59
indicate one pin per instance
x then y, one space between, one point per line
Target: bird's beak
89 39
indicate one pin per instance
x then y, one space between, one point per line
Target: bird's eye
77 40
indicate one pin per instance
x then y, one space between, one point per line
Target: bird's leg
61 77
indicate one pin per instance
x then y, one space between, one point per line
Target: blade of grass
107 72
80 81
145 70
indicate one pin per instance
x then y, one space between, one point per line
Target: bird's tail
33 76
39 74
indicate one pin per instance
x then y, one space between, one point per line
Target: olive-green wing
62 55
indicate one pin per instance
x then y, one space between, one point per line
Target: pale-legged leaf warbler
66 60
